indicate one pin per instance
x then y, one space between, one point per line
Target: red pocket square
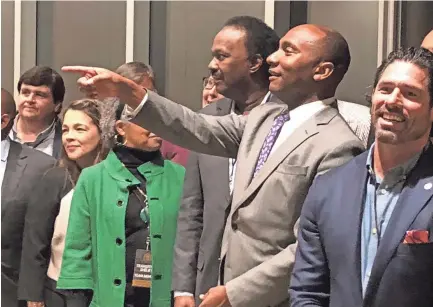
416 237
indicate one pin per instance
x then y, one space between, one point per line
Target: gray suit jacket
359 119
24 167
201 218
259 240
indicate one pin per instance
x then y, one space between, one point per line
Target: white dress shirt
6 144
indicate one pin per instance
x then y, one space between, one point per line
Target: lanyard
142 197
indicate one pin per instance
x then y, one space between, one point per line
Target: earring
118 138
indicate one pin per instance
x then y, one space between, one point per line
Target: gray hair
136 71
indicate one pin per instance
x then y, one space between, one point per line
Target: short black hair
335 50
44 76
420 57
260 38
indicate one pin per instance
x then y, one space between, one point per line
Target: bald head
8 112
427 43
332 47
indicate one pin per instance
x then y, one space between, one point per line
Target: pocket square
416 237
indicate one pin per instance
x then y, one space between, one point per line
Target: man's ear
256 61
323 71
120 128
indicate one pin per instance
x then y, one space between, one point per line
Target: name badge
142 269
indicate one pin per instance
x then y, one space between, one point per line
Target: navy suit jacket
327 269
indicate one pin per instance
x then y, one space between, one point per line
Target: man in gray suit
303 137
21 168
208 179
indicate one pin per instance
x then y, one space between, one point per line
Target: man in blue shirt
365 232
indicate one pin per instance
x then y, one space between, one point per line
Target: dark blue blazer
327 269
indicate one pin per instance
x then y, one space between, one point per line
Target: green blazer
94 255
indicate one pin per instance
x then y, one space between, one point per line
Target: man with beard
280 148
366 228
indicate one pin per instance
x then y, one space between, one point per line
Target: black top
136 230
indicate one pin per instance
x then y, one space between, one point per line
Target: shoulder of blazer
172 167
23 151
219 107
351 168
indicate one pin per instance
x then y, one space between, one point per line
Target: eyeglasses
208 83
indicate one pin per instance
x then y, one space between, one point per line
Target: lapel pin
428 186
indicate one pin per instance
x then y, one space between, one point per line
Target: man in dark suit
41 92
366 228
207 186
21 168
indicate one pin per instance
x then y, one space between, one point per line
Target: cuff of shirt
138 109
179 293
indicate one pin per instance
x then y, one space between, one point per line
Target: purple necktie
270 140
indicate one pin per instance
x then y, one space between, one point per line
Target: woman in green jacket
123 216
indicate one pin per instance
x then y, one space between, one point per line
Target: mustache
384 110
216 75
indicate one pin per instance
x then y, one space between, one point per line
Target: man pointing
279 147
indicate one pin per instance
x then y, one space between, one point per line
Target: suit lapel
351 224
245 167
300 135
57 142
225 107
15 165
412 200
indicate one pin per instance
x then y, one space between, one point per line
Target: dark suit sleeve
42 211
189 229
309 285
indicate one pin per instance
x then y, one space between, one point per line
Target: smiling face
80 137
401 104
294 64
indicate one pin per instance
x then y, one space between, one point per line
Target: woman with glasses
122 227
210 93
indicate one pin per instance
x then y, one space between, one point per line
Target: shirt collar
310 108
265 100
5 145
399 171
41 136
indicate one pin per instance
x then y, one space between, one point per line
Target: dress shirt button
119 203
117 282
119 241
